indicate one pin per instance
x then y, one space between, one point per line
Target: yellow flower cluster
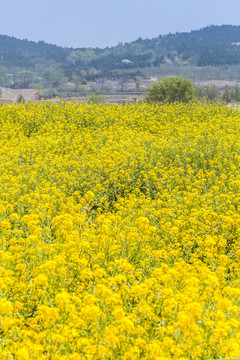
119 232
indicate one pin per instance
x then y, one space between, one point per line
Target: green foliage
171 89
37 86
228 94
83 81
138 81
53 77
236 95
200 92
231 94
210 46
209 92
48 93
81 90
95 99
212 92
20 99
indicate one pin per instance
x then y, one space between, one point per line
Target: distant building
126 61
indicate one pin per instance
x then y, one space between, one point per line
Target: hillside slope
210 46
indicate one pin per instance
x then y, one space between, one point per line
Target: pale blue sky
101 23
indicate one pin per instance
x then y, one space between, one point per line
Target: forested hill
213 45
24 53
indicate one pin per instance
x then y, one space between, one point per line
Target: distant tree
22 79
212 92
48 93
171 89
228 94
122 82
53 77
138 81
236 94
81 90
52 93
20 99
200 92
83 81
37 86
95 99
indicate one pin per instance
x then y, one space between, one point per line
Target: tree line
210 46
177 89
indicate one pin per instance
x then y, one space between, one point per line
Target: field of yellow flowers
119 232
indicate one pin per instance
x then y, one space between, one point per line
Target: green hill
210 46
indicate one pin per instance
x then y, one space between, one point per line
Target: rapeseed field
119 232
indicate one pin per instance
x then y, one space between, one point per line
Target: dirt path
11 95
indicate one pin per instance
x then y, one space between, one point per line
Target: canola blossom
119 232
